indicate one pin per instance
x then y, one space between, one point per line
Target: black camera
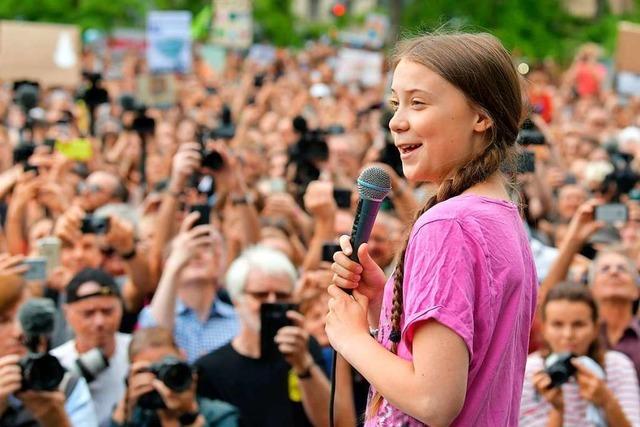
41 371
22 152
174 373
559 368
530 134
94 225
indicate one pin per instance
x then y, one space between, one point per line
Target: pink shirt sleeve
442 268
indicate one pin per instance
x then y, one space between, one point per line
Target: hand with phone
185 162
68 227
584 224
320 202
293 342
12 264
187 242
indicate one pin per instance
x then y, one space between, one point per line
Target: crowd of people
157 252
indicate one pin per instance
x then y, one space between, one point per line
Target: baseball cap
107 285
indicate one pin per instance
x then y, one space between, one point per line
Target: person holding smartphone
288 389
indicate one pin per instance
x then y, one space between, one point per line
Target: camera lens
41 372
175 374
212 160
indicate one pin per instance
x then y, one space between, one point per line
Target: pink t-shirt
468 266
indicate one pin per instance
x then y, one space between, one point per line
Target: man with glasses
102 188
290 389
614 283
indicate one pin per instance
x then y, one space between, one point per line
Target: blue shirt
194 336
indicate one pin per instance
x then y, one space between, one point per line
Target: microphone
373 186
37 318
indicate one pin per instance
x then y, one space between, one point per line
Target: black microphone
37 318
373 186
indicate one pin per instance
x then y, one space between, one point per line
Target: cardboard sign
47 53
627 58
157 90
233 24
169 41
362 66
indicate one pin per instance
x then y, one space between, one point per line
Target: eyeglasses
620 268
90 188
264 295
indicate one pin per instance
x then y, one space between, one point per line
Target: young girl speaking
452 323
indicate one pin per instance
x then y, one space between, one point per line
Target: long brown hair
480 67
574 292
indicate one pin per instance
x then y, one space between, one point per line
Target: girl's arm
432 388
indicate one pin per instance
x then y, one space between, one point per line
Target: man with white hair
288 390
614 283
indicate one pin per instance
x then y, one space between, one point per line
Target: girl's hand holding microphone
348 315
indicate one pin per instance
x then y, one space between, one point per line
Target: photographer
93 309
288 389
593 386
69 406
149 400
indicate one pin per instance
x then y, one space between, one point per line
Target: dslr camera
530 134
41 372
559 368
174 373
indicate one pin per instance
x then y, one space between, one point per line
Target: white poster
357 65
169 41
232 25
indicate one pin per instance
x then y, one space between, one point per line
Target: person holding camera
93 309
69 405
161 388
574 381
273 378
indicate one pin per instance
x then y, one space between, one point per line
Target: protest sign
156 90
232 26
169 41
359 66
214 56
46 53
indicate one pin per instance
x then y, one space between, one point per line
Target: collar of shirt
218 309
634 327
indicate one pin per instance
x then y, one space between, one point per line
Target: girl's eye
393 104
417 102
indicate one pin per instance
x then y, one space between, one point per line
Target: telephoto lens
174 373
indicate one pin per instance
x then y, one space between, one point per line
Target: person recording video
161 388
29 395
573 380
272 373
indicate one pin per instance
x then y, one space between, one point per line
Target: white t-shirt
108 387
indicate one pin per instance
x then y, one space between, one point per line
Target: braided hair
480 67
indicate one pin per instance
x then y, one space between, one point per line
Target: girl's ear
483 123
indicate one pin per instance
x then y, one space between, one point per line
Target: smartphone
204 211
273 316
37 268
49 248
526 162
94 225
328 249
28 167
76 149
342 196
612 213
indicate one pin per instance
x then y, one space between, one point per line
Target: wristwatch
188 418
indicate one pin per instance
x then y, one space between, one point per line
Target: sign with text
46 53
232 25
169 41
359 66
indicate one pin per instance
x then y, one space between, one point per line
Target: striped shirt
194 336
620 378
